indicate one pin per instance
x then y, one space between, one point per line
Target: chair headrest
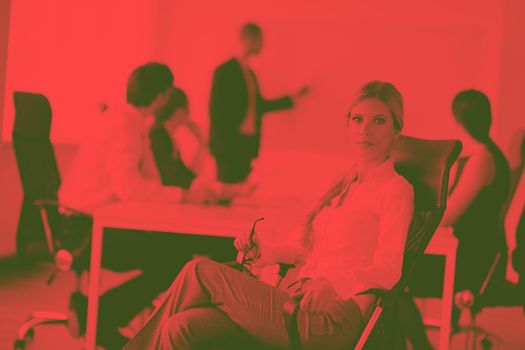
426 165
32 116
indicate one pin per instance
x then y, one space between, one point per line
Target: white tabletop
222 221
200 220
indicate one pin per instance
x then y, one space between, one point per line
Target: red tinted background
80 53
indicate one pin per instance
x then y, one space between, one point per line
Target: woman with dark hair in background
478 198
475 210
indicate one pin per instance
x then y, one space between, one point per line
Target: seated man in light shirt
115 164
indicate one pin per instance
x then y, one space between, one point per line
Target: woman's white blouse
359 243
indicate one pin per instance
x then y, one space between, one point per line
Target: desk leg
94 281
448 299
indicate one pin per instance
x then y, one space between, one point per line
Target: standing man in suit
236 111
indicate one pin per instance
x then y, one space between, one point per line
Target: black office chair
426 165
66 231
492 294
36 164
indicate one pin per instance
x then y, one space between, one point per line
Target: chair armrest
378 292
290 310
383 297
62 209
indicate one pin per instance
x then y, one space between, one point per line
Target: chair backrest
426 165
33 149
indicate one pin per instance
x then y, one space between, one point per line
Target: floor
23 289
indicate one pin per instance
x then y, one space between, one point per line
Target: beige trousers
210 304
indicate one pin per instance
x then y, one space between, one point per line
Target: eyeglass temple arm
243 260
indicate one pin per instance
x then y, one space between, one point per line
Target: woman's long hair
335 190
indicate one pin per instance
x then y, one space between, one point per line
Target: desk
221 222
177 218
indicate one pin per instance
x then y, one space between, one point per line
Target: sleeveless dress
480 233
480 230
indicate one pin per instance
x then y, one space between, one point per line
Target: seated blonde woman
352 240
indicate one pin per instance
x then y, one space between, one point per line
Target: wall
510 113
511 105
5 12
80 55
7 229
429 50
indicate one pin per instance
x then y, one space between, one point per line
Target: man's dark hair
176 100
251 30
471 108
146 82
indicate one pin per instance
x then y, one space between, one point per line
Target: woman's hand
316 294
201 192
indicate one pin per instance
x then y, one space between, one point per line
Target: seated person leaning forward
178 146
353 240
181 152
114 164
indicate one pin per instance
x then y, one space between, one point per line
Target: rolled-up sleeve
397 209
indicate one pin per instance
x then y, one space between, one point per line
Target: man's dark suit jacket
228 108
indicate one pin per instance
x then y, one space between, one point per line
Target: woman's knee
200 262
200 267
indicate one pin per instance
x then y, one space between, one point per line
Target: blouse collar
378 174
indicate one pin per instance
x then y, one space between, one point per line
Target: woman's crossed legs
210 302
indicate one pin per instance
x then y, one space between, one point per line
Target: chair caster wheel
486 344
21 344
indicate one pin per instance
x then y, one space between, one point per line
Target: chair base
475 336
26 332
75 326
